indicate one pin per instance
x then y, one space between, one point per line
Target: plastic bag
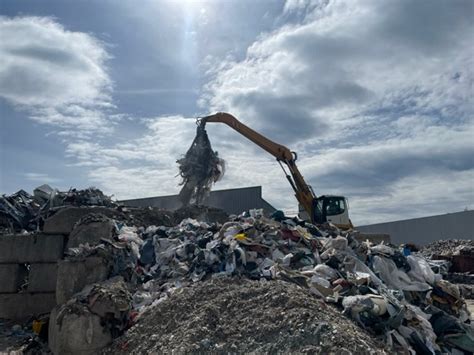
420 270
396 278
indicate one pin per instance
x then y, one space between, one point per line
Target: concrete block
24 305
76 333
42 277
63 221
73 275
36 248
10 277
90 233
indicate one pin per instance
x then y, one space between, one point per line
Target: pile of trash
19 211
199 168
87 197
199 280
24 212
237 315
455 260
397 298
448 247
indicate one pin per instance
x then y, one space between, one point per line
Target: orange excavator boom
303 192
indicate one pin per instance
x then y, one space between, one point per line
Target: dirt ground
235 315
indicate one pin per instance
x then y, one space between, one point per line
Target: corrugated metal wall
459 225
233 201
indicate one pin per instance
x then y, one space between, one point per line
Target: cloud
58 76
139 167
417 196
146 166
41 178
374 97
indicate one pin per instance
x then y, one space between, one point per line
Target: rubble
57 212
239 315
19 211
24 212
391 295
454 258
199 280
448 247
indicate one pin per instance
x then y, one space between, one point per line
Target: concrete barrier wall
29 261
459 225
37 248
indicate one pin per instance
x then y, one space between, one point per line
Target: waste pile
24 212
230 315
199 280
455 260
448 247
19 211
199 168
396 297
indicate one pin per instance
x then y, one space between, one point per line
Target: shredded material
199 168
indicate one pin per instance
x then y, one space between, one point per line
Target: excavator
317 210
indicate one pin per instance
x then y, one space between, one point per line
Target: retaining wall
28 273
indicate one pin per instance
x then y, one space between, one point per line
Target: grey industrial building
458 225
233 201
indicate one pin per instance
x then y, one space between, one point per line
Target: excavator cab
332 209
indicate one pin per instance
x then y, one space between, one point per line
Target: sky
375 96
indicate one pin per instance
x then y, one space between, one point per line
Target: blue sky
375 96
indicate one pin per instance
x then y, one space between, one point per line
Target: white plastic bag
420 270
396 278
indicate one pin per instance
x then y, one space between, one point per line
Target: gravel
448 247
239 315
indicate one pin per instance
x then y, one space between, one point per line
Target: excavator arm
303 192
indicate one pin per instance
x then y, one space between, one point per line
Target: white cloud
58 76
146 166
418 196
41 178
140 167
298 5
375 97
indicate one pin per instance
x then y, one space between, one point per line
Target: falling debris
199 168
